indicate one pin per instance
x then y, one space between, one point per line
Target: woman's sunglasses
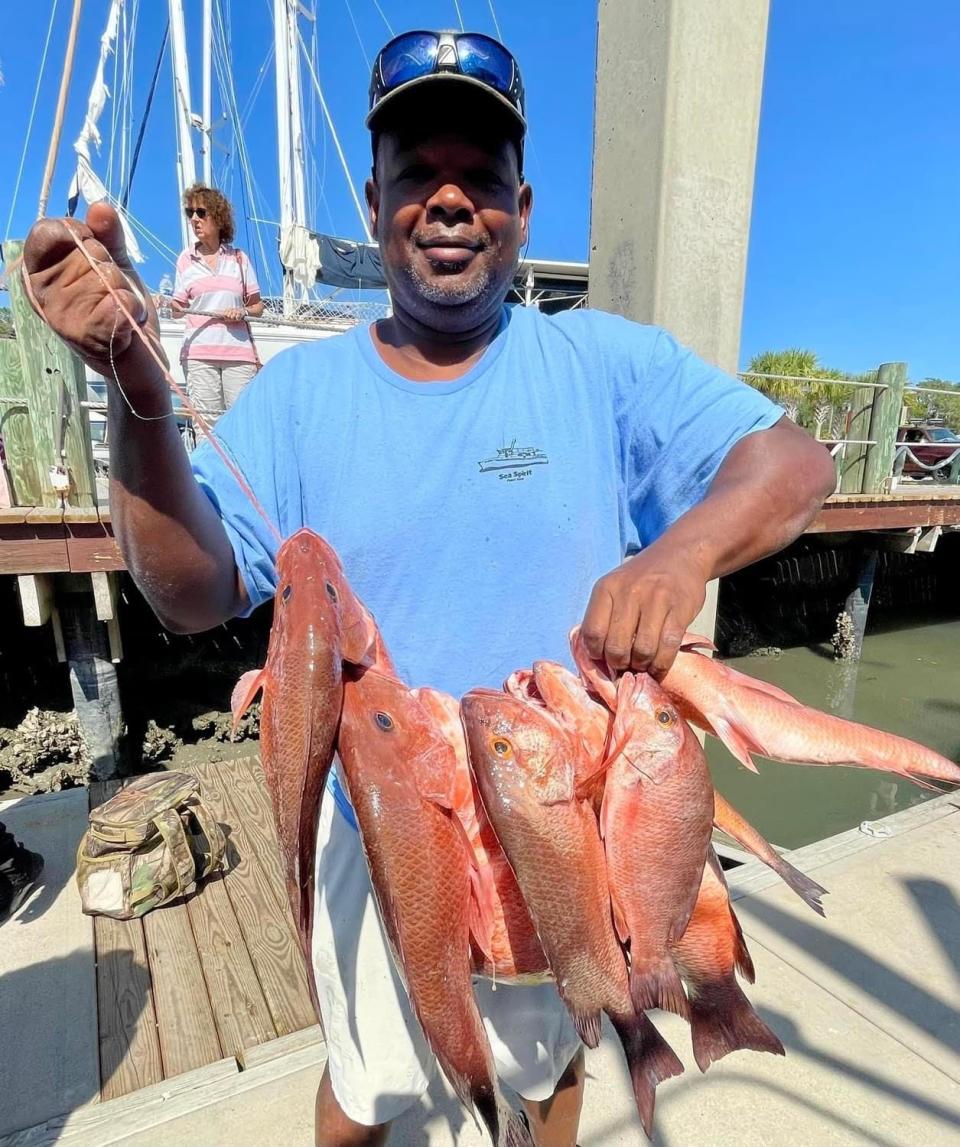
200 212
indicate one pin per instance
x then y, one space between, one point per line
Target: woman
219 356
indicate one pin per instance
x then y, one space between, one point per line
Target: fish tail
723 1020
809 891
650 1060
508 1128
658 985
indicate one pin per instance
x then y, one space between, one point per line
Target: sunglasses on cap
200 212
415 56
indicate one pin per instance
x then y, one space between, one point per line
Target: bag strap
170 827
211 830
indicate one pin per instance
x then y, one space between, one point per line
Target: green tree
923 405
816 404
6 321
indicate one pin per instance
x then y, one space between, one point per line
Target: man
483 473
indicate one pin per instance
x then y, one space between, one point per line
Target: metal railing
802 403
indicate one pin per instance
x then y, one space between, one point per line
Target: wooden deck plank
236 998
267 927
126 1018
185 1023
251 801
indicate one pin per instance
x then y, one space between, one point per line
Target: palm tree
783 368
815 404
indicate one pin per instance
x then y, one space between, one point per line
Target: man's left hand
639 612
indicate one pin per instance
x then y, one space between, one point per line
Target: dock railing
859 421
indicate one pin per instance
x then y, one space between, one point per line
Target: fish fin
482 899
723 1020
741 954
650 1060
586 782
244 692
738 745
587 1025
619 919
658 985
692 641
513 1130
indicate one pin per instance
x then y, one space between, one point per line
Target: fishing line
195 414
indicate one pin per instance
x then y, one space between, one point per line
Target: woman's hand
235 314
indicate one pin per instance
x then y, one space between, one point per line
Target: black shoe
18 878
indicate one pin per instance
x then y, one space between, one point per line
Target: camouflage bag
146 846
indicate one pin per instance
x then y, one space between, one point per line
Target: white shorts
378 1059
213 387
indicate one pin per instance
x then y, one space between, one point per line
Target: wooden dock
866 1002
212 977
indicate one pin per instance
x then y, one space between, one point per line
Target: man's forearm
172 540
766 493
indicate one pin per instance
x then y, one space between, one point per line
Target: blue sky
855 245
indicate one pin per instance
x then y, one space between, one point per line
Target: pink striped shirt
232 283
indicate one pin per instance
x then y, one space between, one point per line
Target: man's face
450 215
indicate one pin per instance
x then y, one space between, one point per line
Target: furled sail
85 180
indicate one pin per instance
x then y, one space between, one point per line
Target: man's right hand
71 297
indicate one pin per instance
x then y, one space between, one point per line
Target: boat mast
61 107
290 160
186 167
206 130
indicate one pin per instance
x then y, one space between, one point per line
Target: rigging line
129 58
143 122
33 110
222 63
258 84
363 50
385 20
496 22
336 140
459 15
155 240
530 140
115 92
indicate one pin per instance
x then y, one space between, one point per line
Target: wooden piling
15 429
884 421
853 458
53 384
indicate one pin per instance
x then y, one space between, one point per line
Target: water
908 682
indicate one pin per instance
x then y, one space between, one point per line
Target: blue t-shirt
473 517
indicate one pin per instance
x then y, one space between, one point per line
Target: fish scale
524 763
400 772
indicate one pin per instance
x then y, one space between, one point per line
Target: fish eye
384 720
666 718
501 747
287 592
332 592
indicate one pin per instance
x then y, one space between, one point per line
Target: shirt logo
513 463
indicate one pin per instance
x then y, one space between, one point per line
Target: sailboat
329 283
